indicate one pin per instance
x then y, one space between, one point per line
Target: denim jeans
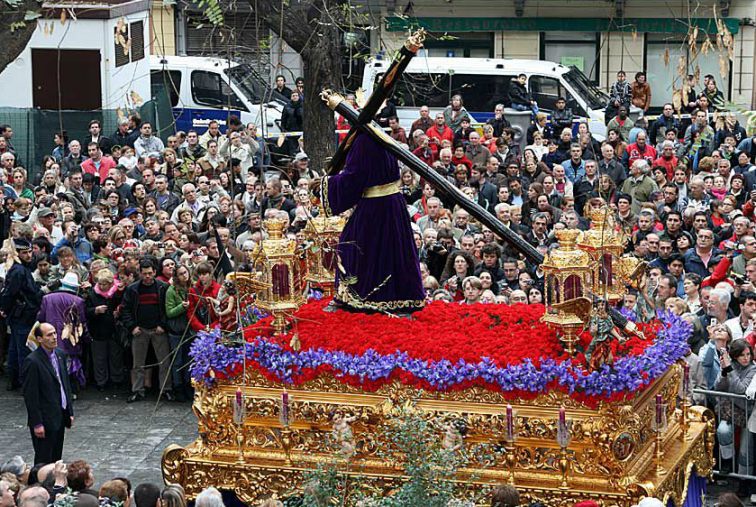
520 107
726 439
180 359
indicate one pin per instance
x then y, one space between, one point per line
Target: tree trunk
322 69
13 43
309 27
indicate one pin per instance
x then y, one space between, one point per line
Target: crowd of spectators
71 485
122 243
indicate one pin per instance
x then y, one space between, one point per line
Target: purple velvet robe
377 247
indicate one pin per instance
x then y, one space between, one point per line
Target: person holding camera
737 370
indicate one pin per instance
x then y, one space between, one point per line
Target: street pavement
117 439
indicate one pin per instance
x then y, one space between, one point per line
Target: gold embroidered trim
382 190
324 196
345 296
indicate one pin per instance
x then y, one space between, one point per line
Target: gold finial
276 227
415 40
331 98
568 238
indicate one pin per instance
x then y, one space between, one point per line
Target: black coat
117 139
498 125
291 118
20 299
518 94
42 391
130 306
101 326
103 142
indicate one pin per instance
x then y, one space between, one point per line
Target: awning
640 25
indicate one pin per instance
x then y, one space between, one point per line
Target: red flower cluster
506 334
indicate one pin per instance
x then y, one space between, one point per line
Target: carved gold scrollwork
608 453
172 464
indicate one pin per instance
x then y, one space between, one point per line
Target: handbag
122 336
177 326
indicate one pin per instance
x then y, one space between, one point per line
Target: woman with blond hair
18 182
170 161
676 305
173 496
107 354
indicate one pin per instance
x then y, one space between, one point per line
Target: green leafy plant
414 445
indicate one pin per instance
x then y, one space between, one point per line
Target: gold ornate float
611 456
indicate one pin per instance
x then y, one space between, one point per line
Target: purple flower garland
627 374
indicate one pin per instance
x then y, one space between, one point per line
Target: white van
484 82
200 90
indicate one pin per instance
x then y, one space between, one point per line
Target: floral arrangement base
265 407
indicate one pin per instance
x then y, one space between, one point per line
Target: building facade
599 37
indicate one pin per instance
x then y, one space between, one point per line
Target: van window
546 90
208 89
480 92
169 80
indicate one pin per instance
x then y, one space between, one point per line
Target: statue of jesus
378 269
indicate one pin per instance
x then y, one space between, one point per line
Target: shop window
578 49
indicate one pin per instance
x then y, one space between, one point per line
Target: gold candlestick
685 435
240 442
659 454
564 468
511 461
286 443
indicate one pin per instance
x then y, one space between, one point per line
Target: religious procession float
574 400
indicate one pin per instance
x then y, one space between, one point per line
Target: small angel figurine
454 438
342 433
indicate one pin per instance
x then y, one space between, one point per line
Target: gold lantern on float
568 273
323 232
604 243
282 295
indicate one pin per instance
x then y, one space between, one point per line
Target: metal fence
735 446
34 129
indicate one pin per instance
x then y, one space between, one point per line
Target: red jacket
635 153
106 164
428 155
669 165
719 274
448 134
198 304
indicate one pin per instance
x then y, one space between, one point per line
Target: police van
484 82
203 89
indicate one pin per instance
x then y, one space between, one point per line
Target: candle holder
685 434
239 421
286 418
659 425
685 405
510 441
563 438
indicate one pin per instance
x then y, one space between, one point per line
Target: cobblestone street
116 438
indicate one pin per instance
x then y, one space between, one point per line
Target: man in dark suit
47 393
